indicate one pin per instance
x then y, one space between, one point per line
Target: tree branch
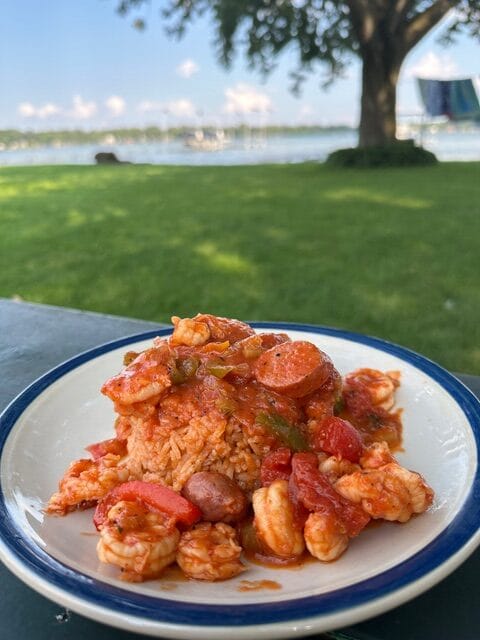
423 22
364 19
398 15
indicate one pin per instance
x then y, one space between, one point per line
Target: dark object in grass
402 153
107 157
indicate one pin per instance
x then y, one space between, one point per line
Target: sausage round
218 497
293 368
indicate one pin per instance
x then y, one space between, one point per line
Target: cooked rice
171 453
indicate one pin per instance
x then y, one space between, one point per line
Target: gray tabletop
35 338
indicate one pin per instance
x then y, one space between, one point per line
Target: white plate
51 422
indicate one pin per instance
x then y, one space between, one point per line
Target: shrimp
335 467
140 542
85 482
376 455
381 386
210 552
390 492
325 536
146 377
204 327
274 520
189 332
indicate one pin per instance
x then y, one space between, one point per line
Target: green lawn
392 252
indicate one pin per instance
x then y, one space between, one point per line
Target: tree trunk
381 67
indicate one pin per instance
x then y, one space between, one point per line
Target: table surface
35 338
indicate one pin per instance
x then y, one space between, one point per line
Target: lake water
258 149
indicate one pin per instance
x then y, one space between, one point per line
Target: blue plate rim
450 542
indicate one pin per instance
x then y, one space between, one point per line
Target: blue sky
66 63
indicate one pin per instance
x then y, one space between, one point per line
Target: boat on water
206 140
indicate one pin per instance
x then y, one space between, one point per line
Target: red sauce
263 559
274 562
373 422
173 573
258 585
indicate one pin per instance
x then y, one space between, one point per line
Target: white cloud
82 109
182 108
243 98
187 68
434 66
48 110
28 110
116 105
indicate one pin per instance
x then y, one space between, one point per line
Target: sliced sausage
270 340
218 497
293 368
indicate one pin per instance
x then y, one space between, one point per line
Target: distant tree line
12 138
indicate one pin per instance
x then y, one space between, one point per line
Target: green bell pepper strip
183 369
288 433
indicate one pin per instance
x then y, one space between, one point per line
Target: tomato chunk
339 438
276 466
153 495
100 449
310 487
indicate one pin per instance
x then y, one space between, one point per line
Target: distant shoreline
239 146
11 139
17 140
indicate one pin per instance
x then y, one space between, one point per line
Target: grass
389 252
